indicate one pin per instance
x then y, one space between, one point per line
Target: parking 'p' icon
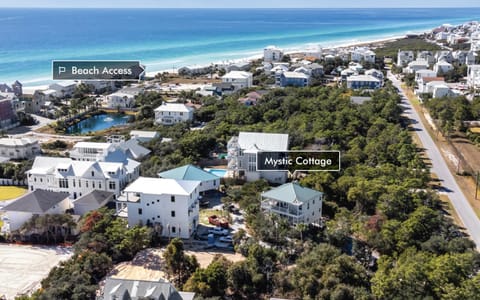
61 70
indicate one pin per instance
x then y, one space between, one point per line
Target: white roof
237 75
426 71
263 141
92 145
121 94
12 142
437 84
418 63
180 107
272 47
159 186
368 78
443 63
48 165
295 75
144 134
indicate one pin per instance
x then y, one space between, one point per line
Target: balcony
128 198
290 211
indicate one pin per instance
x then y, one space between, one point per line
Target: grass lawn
205 213
11 192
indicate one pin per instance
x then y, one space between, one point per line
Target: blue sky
243 4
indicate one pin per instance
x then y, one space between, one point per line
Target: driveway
23 267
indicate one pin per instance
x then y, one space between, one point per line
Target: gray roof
95 197
37 202
134 149
359 100
133 289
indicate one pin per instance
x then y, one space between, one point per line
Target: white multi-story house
416 65
172 113
242 155
442 67
19 148
473 76
119 100
424 73
363 54
426 55
90 151
80 177
168 204
239 79
272 54
61 89
297 204
404 57
363 82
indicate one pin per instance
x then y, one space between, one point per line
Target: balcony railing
282 210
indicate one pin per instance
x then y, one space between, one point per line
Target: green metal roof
188 172
292 193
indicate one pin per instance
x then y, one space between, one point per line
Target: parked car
218 231
226 239
233 209
218 221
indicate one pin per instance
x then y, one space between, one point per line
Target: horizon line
271 8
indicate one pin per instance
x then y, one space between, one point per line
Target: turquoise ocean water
171 38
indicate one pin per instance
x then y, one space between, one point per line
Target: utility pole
476 185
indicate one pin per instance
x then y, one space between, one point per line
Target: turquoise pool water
218 172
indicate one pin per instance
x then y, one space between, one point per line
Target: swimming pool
217 172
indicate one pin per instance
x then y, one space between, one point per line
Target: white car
218 231
226 239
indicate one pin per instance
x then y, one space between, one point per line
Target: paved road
439 167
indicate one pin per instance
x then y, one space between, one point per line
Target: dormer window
93 174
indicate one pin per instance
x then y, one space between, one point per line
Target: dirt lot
148 264
23 267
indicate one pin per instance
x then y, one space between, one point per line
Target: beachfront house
239 79
442 67
79 178
242 155
475 41
35 203
99 86
473 76
295 203
297 79
18 148
404 57
363 82
172 113
208 181
313 51
61 89
272 54
170 205
363 54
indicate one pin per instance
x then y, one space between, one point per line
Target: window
214 183
174 229
93 184
172 213
63 183
172 198
93 174
79 183
111 185
140 211
86 183
99 184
